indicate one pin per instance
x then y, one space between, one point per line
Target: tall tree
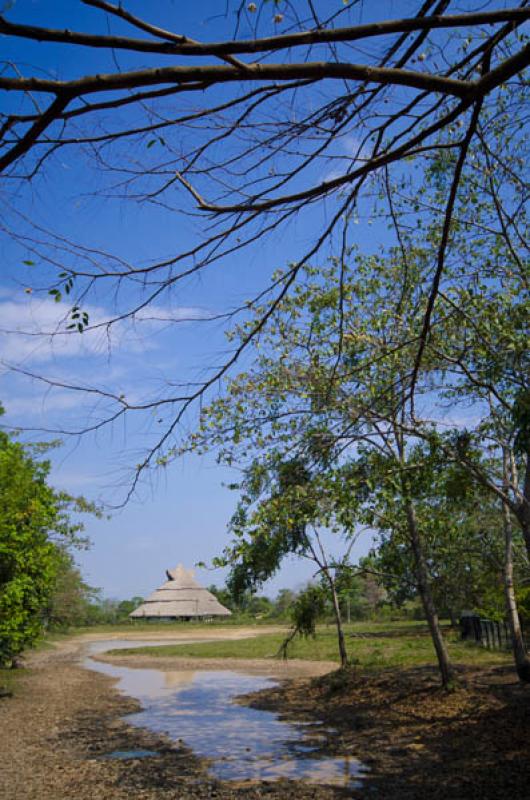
282 511
330 389
464 541
35 530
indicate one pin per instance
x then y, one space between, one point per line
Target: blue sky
181 514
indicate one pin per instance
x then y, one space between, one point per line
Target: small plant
307 608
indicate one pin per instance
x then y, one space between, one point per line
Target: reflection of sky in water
125 755
241 742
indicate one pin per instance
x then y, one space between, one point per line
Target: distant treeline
74 604
360 596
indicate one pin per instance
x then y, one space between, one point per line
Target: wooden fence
486 632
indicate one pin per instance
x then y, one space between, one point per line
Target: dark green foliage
521 420
307 608
224 596
360 594
283 603
35 534
461 526
68 604
269 523
126 607
98 610
305 612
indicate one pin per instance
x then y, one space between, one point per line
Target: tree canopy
36 535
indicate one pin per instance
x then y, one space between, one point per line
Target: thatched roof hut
181 597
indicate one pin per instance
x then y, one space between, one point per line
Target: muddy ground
417 741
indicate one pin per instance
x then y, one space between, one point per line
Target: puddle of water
122 755
240 743
304 748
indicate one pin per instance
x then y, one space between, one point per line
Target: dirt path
63 718
181 634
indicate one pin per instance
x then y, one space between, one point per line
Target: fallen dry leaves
418 741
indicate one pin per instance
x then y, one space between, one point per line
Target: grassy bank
142 627
370 645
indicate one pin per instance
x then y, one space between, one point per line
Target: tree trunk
522 661
424 588
523 515
452 617
338 621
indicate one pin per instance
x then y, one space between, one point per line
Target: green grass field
371 645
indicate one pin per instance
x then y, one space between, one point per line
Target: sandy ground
63 718
203 634
284 670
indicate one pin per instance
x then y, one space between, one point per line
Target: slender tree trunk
524 511
340 633
424 588
522 661
422 575
326 570
452 617
338 622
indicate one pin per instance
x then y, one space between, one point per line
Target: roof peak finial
180 573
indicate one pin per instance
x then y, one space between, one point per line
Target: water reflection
240 743
127 755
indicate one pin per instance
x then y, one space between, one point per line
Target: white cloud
51 401
165 314
33 330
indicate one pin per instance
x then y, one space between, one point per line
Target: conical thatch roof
181 596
